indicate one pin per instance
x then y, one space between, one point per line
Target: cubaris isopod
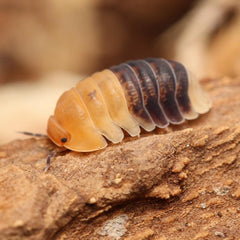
146 93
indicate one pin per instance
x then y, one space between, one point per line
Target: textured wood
183 184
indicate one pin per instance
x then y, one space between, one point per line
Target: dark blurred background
80 36
46 46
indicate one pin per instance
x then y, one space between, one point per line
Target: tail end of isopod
200 100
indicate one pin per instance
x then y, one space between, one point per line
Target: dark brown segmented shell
162 91
147 93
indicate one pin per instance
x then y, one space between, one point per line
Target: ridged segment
167 89
182 91
150 91
115 100
133 93
94 101
200 101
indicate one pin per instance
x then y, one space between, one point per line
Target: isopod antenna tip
33 134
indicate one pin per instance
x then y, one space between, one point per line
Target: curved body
145 93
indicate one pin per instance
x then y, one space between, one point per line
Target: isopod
147 93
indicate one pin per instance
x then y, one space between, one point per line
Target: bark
183 184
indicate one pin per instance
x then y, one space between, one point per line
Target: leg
49 157
52 155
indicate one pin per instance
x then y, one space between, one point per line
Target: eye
63 140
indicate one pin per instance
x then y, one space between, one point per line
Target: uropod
147 93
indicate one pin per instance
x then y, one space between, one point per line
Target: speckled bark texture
182 183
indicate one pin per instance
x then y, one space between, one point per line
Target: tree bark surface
179 184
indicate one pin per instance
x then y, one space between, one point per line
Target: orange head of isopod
71 126
56 132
